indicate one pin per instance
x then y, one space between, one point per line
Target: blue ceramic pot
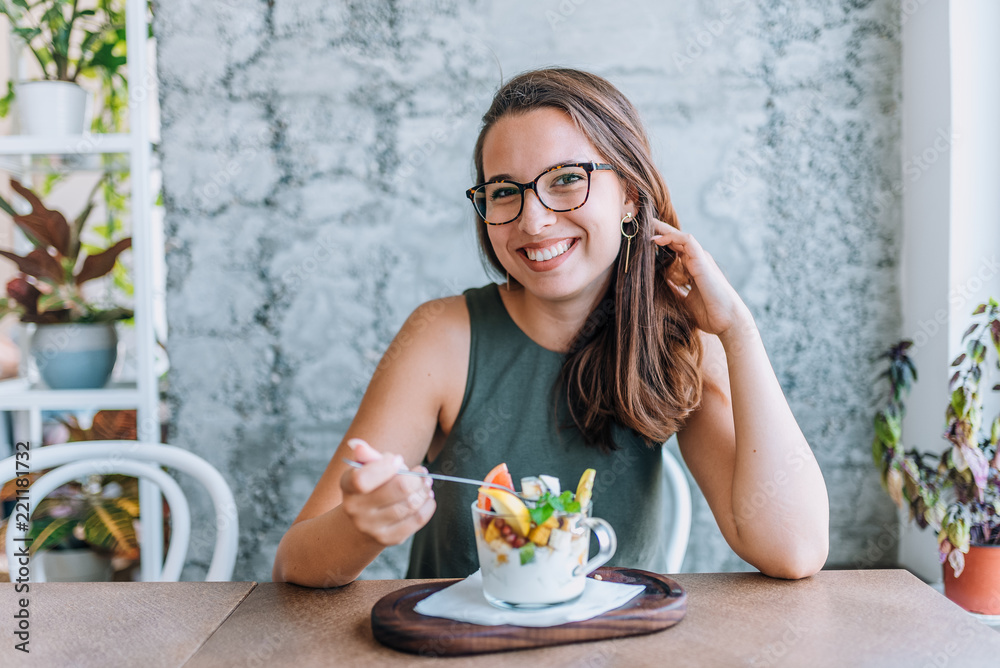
75 356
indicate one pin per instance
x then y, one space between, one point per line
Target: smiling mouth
548 253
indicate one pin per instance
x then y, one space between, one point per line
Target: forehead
522 145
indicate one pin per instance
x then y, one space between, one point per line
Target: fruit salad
530 546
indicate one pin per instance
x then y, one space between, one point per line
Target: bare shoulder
435 328
447 316
431 352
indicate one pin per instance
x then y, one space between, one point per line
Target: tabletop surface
835 618
147 624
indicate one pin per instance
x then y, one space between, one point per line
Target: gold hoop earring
628 247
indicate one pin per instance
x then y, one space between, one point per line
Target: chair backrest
680 504
76 460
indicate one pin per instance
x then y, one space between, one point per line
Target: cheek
498 239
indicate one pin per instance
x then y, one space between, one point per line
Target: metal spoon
447 478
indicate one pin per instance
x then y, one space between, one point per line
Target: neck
552 324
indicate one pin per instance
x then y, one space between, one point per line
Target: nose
534 216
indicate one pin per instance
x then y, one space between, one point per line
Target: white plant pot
77 565
51 108
75 356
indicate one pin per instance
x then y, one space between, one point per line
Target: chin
565 287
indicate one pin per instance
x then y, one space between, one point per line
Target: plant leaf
95 266
970 330
957 561
51 532
24 293
110 527
958 360
979 309
47 226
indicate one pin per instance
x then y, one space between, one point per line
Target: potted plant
957 492
69 43
75 342
87 529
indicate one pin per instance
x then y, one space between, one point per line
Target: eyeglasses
561 188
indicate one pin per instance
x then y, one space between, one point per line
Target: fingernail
400 462
429 482
655 237
353 444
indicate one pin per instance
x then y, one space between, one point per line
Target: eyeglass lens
559 190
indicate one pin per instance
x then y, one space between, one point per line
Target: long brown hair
636 360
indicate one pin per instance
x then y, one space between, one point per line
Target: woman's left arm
743 445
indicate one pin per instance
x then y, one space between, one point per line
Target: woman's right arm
353 514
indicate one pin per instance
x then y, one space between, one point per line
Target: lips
549 252
547 255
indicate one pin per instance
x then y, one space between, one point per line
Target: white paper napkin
464 602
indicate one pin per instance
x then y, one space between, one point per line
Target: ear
631 203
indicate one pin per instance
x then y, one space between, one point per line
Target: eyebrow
508 177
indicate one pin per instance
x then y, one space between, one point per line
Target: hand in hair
697 280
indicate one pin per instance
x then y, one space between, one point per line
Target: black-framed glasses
561 188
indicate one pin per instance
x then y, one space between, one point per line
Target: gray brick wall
314 156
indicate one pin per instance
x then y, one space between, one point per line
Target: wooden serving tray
395 624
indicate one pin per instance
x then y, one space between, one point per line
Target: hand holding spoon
447 478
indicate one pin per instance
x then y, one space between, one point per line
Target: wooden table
836 618
142 624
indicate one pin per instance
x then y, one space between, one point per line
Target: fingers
372 475
394 511
363 452
394 534
382 504
684 242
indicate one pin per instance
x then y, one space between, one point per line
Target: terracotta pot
978 588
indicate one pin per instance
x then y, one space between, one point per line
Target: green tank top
507 416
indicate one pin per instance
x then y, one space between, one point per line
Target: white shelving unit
143 395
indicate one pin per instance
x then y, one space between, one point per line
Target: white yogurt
546 579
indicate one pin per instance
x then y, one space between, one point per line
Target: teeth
547 253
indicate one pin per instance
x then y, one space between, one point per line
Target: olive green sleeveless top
507 415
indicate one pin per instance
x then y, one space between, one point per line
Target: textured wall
315 154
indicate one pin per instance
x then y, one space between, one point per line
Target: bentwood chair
679 494
143 460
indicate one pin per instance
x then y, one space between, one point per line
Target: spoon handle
438 476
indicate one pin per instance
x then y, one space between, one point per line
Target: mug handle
606 541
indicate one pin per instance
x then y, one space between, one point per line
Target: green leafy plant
99 512
49 287
955 493
69 41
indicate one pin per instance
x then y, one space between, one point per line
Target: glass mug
520 574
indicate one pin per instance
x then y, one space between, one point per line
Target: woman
613 331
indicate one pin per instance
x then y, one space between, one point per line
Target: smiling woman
614 331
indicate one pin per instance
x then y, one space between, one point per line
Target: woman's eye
566 179
501 193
